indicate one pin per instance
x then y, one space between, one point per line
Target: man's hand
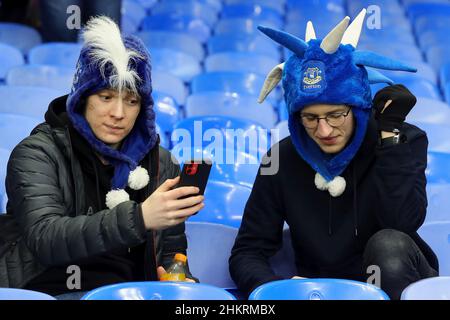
163 209
392 104
161 272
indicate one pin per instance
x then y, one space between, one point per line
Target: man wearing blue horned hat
91 186
351 179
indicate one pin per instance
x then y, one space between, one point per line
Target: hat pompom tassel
138 178
335 187
115 197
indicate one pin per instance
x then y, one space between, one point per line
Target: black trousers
399 260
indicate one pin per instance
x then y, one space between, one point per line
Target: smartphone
195 173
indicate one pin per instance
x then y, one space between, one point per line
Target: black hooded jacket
56 189
385 190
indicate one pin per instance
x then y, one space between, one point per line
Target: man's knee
390 250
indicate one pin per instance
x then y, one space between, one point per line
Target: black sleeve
259 237
38 204
400 184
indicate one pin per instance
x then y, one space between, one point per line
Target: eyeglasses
334 119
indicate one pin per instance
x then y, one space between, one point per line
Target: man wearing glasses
351 179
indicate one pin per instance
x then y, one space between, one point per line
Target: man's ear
271 81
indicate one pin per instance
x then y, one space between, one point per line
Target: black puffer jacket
46 196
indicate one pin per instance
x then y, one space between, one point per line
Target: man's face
330 138
112 116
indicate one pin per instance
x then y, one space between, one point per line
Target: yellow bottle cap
180 257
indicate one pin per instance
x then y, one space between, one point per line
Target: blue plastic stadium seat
432 38
164 141
242 26
438 202
283 131
429 111
134 11
317 289
147 4
224 203
27 100
278 6
447 93
4 201
155 290
53 77
20 36
173 40
166 109
240 61
423 8
283 113
251 43
218 132
9 57
426 23
184 24
228 165
63 54
209 247
228 81
180 64
22 294
436 235
4 157
14 128
438 168
444 75
436 134
436 288
188 8
438 56
424 72
231 104
252 11
421 88
170 84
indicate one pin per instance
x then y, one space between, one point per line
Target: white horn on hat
353 32
310 33
333 39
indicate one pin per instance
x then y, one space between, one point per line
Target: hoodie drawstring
330 215
355 205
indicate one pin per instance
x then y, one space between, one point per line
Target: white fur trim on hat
115 197
335 187
138 178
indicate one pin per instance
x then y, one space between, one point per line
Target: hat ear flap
272 79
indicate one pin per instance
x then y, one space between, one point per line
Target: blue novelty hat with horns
328 71
110 60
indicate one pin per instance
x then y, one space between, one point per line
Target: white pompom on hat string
335 187
137 179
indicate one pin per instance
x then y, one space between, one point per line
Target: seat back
209 248
317 289
22 294
437 288
437 236
155 290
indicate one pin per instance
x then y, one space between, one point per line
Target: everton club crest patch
313 76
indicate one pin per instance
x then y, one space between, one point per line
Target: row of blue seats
50 65
218 284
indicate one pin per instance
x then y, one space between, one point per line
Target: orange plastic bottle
177 270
